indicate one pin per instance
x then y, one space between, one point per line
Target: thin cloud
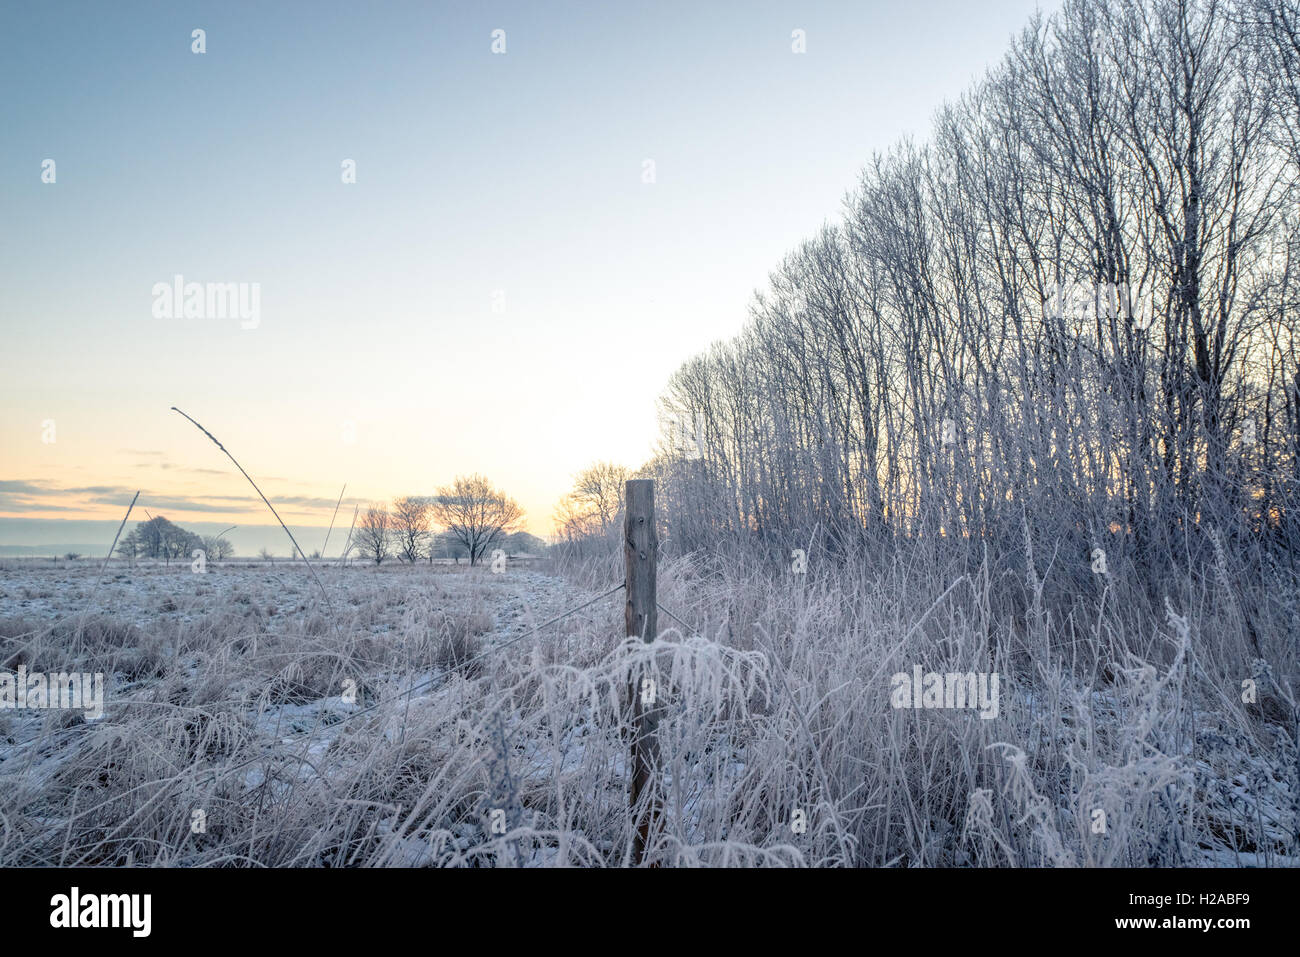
23 488
9 505
24 495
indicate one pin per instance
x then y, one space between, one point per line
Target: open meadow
418 718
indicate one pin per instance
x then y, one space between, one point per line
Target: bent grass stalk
315 577
332 518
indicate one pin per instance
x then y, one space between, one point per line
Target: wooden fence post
641 553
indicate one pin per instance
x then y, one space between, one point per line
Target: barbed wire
674 617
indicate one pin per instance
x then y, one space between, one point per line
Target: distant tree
179 543
265 555
410 526
129 545
159 538
374 534
595 502
475 513
217 548
151 535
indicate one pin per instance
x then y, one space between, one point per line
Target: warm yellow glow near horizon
84 473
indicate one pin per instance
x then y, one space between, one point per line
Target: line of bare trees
475 516
160 538
914 370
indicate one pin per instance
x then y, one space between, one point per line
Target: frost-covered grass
387 727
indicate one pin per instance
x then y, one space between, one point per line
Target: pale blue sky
475 173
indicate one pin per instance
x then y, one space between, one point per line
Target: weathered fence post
640 553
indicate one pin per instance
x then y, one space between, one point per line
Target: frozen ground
290 665
414 720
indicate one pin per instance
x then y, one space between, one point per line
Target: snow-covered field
415 718
246 659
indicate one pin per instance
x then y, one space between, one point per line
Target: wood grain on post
641 553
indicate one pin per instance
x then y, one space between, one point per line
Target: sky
534 241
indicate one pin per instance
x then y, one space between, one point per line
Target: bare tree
904 378
475 513
410 526
595 502
374 535
218 547
130 546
